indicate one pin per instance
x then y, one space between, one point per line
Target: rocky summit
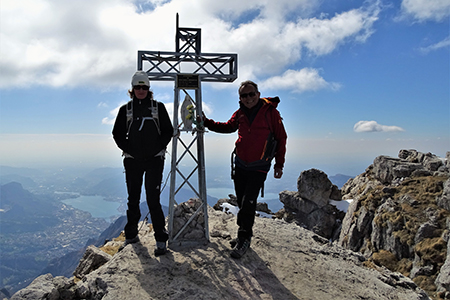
391 244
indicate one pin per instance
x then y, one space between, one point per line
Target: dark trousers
247 185
134 174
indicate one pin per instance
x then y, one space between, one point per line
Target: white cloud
306 79
424 10
373 126
445 43
111 118
94 43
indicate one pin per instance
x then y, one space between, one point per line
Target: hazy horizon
356 79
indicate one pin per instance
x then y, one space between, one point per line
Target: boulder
386 169
444 200
429 161
293 201
323 221
92 259
45 287
314 186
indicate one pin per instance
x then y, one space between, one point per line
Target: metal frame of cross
188 70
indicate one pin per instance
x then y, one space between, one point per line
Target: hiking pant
135 170
247 185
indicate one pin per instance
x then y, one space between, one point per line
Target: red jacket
250 145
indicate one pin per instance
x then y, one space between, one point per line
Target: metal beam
209 67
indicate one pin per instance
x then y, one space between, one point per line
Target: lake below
97 206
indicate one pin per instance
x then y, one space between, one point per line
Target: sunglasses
141 87
245 95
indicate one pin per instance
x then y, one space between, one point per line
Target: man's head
249 94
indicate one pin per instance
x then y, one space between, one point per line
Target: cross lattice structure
188 67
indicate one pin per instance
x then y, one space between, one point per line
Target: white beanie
140 78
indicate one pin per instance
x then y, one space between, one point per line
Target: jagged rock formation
309 207
285 262
400 217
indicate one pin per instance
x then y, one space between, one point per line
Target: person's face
249 96
140 91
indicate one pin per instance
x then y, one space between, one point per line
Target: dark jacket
254 127
142 139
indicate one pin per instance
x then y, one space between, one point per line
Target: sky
356 79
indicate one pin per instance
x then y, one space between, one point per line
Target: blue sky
357 79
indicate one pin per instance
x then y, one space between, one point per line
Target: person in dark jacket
142 131
260 128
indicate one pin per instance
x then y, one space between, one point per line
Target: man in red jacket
261 136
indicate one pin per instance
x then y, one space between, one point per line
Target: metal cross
188 68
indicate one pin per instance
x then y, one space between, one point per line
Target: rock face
309 207
314 185
92 259
285 261
400 218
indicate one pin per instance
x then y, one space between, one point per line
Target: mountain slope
285 262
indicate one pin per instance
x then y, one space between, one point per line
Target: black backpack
155 115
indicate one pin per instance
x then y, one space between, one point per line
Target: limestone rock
429 161
444 200
45 287
314 186
92 259
398 215
324 221
447 160
386 169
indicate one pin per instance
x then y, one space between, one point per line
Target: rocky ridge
287 261
400 218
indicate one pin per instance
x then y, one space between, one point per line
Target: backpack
155 116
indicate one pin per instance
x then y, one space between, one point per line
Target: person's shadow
208 272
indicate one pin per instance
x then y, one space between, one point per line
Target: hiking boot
161 248
128 241
234 242
240 249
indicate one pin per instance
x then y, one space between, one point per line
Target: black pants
134 174
247 185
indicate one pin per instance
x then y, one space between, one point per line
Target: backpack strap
155 115
129 115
